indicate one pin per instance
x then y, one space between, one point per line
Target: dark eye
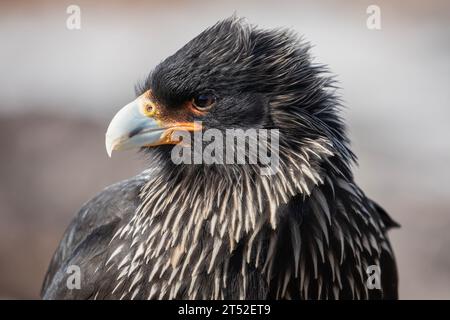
204 101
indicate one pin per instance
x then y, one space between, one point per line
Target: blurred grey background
59 88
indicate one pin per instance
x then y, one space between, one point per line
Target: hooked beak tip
109 146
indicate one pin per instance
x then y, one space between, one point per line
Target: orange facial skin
172 120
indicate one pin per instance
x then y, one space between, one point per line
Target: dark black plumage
222 231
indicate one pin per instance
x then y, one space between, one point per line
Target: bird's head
234 75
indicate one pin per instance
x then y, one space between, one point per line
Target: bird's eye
204 101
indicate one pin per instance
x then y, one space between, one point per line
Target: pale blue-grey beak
137 125
132 128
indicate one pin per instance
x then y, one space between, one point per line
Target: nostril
135 132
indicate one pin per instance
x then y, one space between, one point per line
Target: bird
225 230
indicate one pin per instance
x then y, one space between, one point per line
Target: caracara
225 230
